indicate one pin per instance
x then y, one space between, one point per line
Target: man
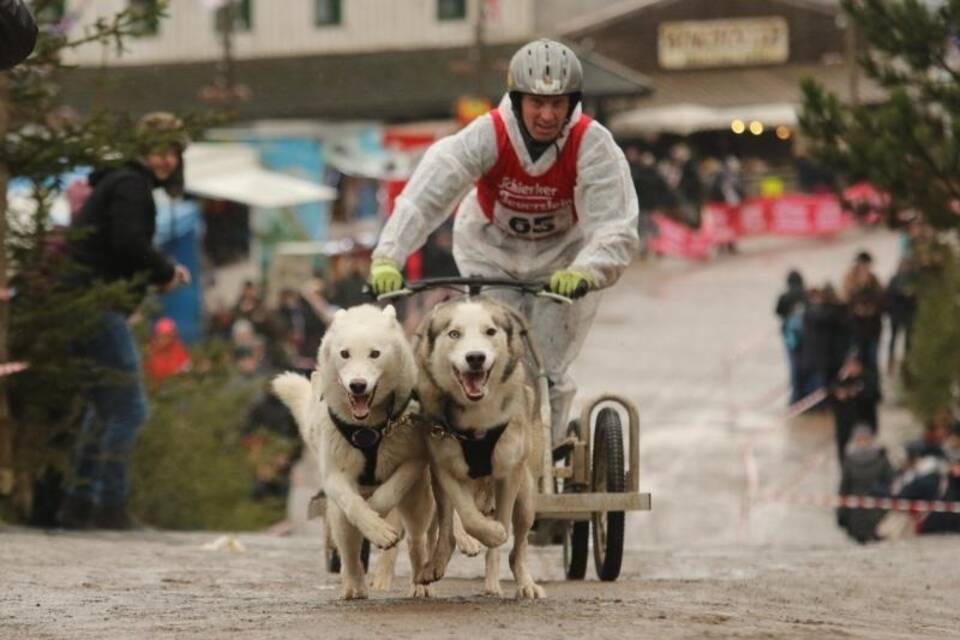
790 308
553 201
119 218
18 33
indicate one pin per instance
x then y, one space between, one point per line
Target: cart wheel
333 557
576 533
609 475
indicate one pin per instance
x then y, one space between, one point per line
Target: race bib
533 226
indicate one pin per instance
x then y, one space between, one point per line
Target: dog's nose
358 387
476 359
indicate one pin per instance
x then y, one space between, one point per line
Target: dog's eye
374 354
454 334
491 331
344 354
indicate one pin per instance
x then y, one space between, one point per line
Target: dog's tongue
473 383
360 404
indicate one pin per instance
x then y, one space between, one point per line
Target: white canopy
687 118
229 171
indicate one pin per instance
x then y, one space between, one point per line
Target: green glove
385 276
570 283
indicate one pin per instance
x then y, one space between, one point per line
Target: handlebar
474 285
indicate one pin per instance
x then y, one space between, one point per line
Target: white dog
353 415
476 390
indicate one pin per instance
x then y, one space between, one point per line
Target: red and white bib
531 207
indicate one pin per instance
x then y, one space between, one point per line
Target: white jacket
605 199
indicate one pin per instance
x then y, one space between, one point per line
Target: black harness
477 449
366 439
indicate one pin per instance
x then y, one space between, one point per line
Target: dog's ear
339 314
390 312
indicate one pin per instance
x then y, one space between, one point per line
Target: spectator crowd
832 338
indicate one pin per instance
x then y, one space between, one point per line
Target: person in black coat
790 308
118 221
901 307
18 33
854 398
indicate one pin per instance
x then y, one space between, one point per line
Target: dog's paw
492 588
380 532
353 591
381 582
530 591
420 591
430 572
468 545
491 533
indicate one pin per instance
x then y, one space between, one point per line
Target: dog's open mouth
360 403
473 383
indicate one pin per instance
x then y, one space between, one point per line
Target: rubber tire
608 459
576 536
333 558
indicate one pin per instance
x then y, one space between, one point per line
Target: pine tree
909 147
41 140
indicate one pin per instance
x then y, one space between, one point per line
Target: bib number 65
526 225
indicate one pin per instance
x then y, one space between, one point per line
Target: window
451 9
145 13
242 12
326 12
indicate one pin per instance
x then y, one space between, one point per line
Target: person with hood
18 33
166 355
866 471
550 198
118 222
790 309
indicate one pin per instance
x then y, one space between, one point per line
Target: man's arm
130 233
448 169
18 33
608 210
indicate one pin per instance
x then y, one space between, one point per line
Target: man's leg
121 404
559 331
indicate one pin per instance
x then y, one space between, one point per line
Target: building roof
616 12
739 86
388 85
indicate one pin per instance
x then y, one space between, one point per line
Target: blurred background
310 115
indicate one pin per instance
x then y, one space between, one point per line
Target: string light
738 127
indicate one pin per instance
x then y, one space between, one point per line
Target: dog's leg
389 494
382 575
491 577
348 540
443 544
416 508
468 545
489 532
505 496
523 515
340 490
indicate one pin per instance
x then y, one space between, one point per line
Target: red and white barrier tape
807 402
870 502
10 368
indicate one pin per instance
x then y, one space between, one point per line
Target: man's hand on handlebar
570 283
385 276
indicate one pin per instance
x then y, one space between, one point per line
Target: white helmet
545 68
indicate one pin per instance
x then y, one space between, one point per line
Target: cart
591 476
